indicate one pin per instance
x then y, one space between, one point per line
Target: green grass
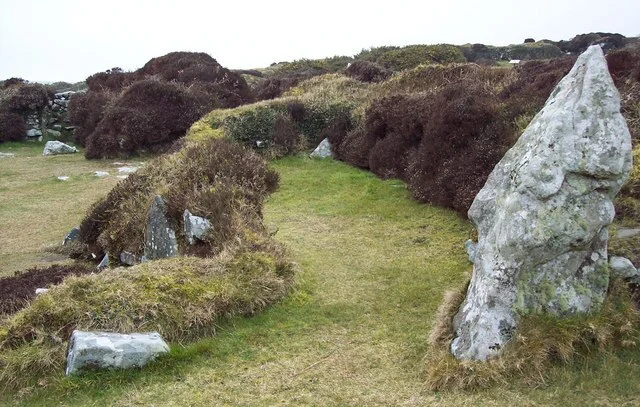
36 209
374 266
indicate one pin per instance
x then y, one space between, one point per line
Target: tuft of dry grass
540 342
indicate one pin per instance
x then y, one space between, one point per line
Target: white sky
52 40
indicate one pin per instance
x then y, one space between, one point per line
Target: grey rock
101 174
34 133
53 133
73 234
64 95
104 263
260 144
56 107
470 247
129 259
323 150
7 155
543 213
63 178
57 147
160 238
127 169
622 267
625 233
57 127
195 227
89 351
41 290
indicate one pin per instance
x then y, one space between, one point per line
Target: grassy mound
216 179
181 298
538 343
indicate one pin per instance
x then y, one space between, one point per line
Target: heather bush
12 81
24 98
148 113
114 80
367 71
228 88
85 112
12 127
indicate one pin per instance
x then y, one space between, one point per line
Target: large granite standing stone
542 215
160 238
103 350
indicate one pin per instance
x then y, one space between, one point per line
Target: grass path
373 267
36 209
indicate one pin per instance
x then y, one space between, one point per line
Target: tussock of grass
181 298
539 342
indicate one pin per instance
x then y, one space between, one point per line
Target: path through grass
373 267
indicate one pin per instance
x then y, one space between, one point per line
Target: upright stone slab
195 227
542 215
323 150
160 238
104 350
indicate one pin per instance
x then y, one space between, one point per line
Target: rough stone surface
470 247
542 215
71 236
102 350
6 155
34 133
195 227
323 150
58 147
104 263
625 233
160 238
623 268
129 259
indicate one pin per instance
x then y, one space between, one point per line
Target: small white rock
101 174
41 290
127 170
63 178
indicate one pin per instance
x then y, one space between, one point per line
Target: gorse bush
397 59
367 71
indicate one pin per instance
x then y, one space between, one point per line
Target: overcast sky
52 40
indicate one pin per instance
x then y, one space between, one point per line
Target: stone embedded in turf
129 259
195 227
89 351
323 150
71 236
543 213
58 147
623 268
160 238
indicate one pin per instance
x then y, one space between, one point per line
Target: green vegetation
373 267
36 209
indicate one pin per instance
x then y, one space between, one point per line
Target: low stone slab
623 268
323 150
58 147
6 155
103 350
